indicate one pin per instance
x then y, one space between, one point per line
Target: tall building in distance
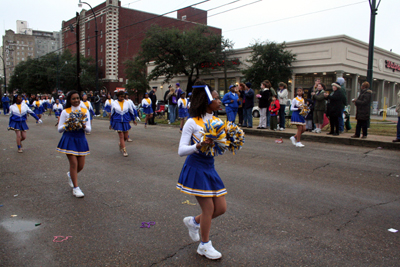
120 34
27 43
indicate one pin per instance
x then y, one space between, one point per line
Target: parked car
256 110
390 111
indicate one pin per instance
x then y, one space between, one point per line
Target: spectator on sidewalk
283 99
248 106
274 110
342 88
241 88
264 100
362 103
335 108
309 117
398 119
319 107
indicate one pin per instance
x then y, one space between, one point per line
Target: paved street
324 205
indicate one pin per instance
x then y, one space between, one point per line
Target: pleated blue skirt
182 113
120 126
107 109
39 111
18 126
297 119
148 110
74 143
199 177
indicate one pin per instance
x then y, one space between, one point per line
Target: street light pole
5 77
370 69
96 33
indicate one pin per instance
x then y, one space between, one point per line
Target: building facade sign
392 65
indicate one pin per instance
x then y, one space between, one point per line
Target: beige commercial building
327 59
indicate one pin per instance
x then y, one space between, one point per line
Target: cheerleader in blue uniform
73 143
38 105
57 108
297 119
87 105
107 105
147 109
198 176
182 109
18 115
122 113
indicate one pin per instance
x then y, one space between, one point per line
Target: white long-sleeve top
108 102
146 102
65 115
184 103
132 104
87 105
296 103
191 131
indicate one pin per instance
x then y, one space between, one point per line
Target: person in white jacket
283 99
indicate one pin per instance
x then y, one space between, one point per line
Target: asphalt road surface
323 205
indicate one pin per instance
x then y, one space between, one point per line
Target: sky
248 22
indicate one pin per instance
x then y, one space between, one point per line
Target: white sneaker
315 130
299 144
71 184
77 192
293 139
318 130
208 251
281 129
193 229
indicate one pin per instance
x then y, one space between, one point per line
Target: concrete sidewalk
343 139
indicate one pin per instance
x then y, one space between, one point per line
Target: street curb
313 138
326 139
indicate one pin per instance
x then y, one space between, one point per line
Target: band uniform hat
231 86
178 84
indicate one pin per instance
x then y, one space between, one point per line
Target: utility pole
78 53
370 70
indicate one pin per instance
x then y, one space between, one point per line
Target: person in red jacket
274 109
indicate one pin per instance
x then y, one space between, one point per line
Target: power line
235 8
302 15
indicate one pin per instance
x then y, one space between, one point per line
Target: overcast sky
273 20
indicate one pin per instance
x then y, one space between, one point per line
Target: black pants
240 113
334 120
362 124
151 121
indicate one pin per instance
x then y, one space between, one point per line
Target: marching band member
18 114
38 105
147 109
122 113
87 105
182 109
198 176
73 142
57 108
297 119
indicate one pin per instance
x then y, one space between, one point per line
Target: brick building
120 33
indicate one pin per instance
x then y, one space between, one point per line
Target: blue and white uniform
107 105
297 119
146 104
231 107
73 142
183 108
122 112
198 176
87 105
18 114
57 108
38 105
